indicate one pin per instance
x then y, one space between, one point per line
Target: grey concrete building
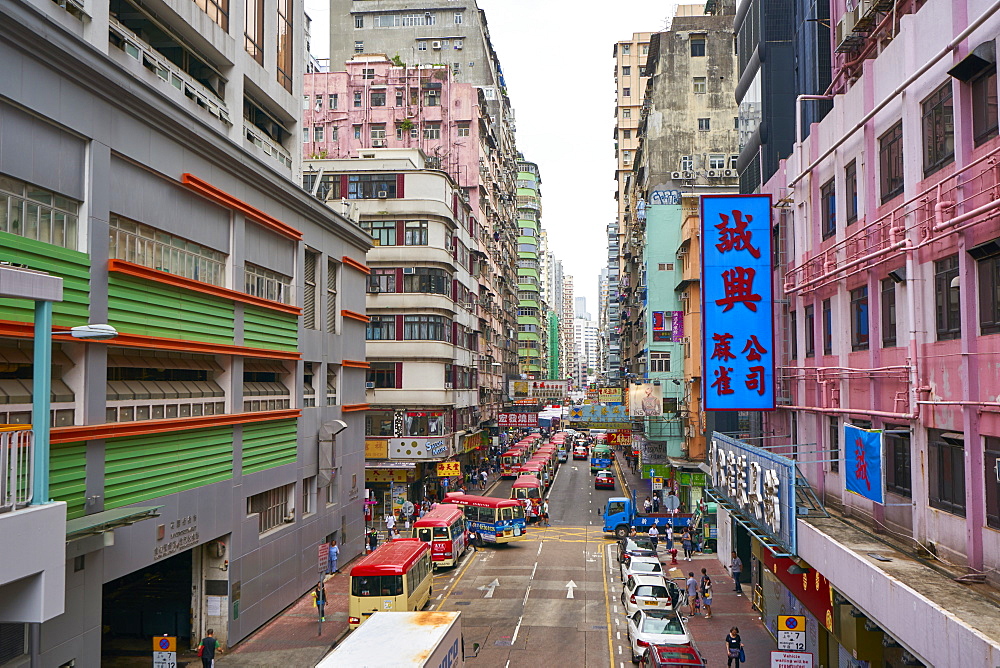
146 159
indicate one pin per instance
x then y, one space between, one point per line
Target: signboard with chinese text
863 468
610 395
376 448
517 419
758 484
598 413
619 437
677 324
737 302
385 475
538 389
449 469
645 400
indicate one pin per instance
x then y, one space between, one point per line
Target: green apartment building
530 327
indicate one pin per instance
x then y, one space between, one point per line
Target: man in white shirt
654 534
390 524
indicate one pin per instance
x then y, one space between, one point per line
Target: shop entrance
155 600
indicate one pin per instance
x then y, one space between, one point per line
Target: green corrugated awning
108 520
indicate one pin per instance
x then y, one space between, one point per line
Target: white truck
401 640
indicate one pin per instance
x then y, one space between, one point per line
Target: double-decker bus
528 490
444 528
495 520
397 576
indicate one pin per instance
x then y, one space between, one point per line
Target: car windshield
666 623
642 543
645 567
651 591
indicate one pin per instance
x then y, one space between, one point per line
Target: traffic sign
657 484
324 557
164 659
791 623
792 640
791 659
164 644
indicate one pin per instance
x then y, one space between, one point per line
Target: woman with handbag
735 646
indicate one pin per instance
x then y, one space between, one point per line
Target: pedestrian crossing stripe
565 535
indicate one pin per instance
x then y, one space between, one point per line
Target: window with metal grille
309 293
331 295
271 507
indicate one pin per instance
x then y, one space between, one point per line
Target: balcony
16 468
268 146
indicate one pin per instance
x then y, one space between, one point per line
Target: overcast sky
556 58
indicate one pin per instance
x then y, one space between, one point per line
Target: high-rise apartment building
203 454
531 326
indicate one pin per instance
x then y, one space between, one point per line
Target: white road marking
539 549
534 569
570 586
489 588
617 623
516 629
618 634
619 649
525 601
615 608
440 595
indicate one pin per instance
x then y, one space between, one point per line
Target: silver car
646 592
655 627
641 566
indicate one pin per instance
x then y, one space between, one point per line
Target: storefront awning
108 520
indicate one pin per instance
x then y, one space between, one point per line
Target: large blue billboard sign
758 485
863 466
737 303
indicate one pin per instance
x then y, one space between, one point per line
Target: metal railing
17 463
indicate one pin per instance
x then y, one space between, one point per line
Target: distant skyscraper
581 308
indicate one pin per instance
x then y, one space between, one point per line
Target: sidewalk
728 608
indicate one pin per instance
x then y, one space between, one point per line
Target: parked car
671 656
655 627
636 546
604 480
646 592
641 566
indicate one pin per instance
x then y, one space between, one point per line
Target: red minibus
444 528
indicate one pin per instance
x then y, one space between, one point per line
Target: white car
641 566
646 592
655 627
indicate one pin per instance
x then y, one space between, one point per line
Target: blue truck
621 514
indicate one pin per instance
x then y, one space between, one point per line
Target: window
424 423
626 156
377 131
371 186
700 85
267 284
378 98
626 49
938 121
659 362
828 208
426 328
378 423
136 243
432 97
271 507
946 471
332 268
645 49
359 21
946 298
897 465
317 133
332 100
318 105
368 73
427 279
851 191
217 10
385 279
286 53
383 375
463 129
253 30
359 47
308 389
421 45
357 99
888 312
793 335
626 113
984 105
827 327
992 463
834 454
458 18
39 214
697 46
626 92
432 131
716 161
357 132
988 269
704 124
810 332
687 163
381 328
310 315
859 318
890 153
626 134
626 70
383 231
415 233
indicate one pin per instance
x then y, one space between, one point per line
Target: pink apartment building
889 216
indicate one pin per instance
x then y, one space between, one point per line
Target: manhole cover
502 643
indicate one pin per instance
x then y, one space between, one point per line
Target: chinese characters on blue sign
737 309
863 463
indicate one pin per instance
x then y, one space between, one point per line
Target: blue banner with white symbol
863 464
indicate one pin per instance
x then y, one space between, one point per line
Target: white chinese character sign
738 323
759 486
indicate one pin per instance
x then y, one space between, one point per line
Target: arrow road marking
570 586
489 588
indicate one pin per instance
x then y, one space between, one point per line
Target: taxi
604 480
580 452
680 656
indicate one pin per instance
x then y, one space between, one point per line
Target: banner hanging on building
598 413
539 389
517 419
737 302
645 400
863 466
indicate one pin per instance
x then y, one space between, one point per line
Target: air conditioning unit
458 45
378 143
730 172
675 175
845 30
436 44
382 194
684 295
712 173
409 270
448 386
369 386
687 175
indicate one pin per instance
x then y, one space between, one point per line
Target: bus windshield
441 533
377 585
424 534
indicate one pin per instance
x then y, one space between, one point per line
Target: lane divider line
465 569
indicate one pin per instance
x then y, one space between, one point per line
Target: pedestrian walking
736 569
332 556
483 476
686 543
647 505
654 535
706 592
656 503
207 649
319 600
372 540
545 512
692 593
669 538
390 523
734 645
